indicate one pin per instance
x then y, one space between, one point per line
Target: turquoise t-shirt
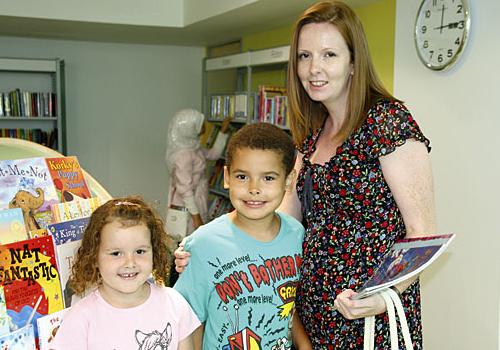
241 288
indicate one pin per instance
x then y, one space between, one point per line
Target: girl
123 245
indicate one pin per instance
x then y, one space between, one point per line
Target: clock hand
449 25
442 19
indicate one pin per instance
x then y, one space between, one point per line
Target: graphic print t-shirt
241 288
159 323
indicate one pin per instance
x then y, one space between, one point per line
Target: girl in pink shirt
123 246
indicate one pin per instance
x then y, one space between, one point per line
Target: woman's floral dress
351 220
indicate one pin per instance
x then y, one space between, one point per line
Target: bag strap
391 300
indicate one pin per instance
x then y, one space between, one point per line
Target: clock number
424 29
461 25
426 44
450 53
434 2
428 14
459 8
431 52
440 58
457 42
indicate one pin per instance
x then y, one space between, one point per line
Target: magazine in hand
407 258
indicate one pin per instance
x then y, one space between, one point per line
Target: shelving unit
40 76
235 77
244 66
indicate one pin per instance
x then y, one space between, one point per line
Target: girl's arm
291 204
408 173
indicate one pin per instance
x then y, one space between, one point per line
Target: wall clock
441 31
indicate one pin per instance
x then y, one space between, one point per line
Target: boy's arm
198 337
193 341
299 336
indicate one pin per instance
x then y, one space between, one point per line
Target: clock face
441 31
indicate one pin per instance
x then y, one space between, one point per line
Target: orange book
68 178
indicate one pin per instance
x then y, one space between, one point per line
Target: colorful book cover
38 233
68 231
26 184
76 209
30 279
68 178
21 339
407 258
4 318
12 227
47 328
65 257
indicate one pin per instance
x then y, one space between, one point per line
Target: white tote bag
177 221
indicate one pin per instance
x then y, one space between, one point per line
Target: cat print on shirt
154 340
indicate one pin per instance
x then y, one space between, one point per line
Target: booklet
407 258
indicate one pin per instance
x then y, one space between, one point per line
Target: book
26 184
12 228
30 278
68 179
76 209
68 231
47 328
66 253
21 339
406 258
4 318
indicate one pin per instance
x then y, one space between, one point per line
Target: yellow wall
379 22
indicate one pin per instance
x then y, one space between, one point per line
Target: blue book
21 339
68 231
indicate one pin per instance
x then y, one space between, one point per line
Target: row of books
43 137
45 206
19 103
219 205
269 105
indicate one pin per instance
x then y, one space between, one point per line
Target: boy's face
257 182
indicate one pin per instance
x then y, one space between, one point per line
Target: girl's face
324 63
125 262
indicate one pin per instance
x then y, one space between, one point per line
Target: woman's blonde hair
129 211
365 89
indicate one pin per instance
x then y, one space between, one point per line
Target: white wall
119 98
459 111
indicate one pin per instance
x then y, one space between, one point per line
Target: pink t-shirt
163 320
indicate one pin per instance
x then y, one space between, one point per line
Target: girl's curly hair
129 211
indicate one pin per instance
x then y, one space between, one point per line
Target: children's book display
406 258
45 206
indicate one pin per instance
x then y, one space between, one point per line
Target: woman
364 179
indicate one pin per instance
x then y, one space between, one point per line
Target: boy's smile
257 183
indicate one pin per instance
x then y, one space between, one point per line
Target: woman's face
324 63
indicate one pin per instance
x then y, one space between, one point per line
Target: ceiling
230 26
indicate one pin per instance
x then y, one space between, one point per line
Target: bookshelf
230 89
32 101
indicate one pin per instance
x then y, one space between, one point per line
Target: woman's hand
353 309
197 220
225 125
181 257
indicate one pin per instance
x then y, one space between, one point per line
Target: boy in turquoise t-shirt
244 268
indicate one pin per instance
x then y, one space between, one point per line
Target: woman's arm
408 173
291 204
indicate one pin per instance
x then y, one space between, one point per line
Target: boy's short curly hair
129 211
263 136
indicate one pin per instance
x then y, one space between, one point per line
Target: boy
244 266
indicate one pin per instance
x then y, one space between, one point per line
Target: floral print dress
351 220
